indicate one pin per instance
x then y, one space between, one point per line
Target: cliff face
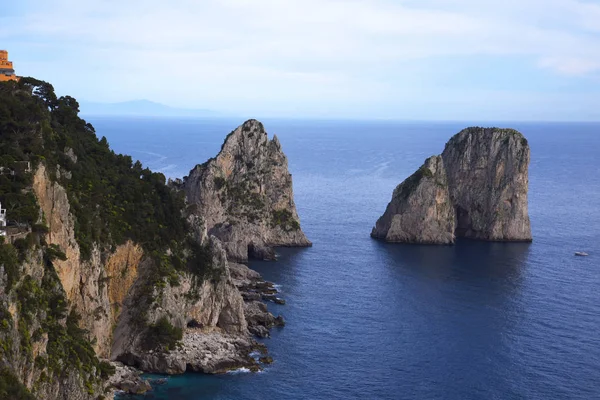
56 210
213 304
245 195
95 287
420 210
476 189
41 346
112 288
107 260
210 314
110 292
109 289
488 179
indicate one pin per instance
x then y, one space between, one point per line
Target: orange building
7 73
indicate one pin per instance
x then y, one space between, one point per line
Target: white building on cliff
2 221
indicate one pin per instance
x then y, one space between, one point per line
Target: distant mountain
142 108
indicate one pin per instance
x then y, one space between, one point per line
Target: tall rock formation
476 189
488 179
245 195
420 210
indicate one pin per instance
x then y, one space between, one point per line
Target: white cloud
328 31
571 66
238 51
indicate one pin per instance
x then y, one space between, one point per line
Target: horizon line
331 119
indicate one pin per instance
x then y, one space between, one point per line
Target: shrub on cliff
112 198
11 388
162 335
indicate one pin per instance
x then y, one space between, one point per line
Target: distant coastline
141 108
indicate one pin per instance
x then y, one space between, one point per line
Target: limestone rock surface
487 171
420 210
477 188
245 195
95 288
206 352
214 304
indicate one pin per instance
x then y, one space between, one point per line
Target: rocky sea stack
245 195
476 189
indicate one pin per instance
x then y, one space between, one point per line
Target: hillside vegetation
112 199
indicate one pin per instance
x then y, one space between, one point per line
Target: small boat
581 253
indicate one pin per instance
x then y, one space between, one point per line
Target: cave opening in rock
463 222
194 324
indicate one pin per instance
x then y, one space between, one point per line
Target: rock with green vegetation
153 314
420 210
44 353
108 260
476 189
245 195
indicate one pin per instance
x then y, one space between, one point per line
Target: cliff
245 195
95 287
210 310
488 178
44 353
476 189
110 264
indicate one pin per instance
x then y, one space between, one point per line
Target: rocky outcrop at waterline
245 195
215 317
476 189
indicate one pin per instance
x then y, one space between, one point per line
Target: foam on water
239 371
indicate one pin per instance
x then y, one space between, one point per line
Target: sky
371 59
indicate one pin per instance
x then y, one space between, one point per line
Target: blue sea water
368 320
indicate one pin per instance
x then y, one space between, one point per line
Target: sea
370 320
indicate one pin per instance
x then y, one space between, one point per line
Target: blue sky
413 59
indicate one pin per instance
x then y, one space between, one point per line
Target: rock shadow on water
281 272
468 295
467 260
182 387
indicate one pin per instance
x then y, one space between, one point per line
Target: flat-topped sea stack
245 195
476 189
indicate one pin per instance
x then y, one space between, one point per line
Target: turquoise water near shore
377 321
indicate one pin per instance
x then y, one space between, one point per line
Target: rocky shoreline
206 349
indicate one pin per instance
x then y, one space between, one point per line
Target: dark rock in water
254 289
251 296
134 387
476 189
273 298
266 360
128 380
259 331
259 319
